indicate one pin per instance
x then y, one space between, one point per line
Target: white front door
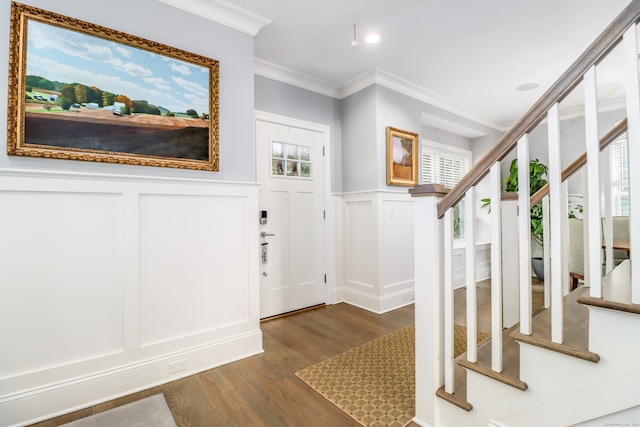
291 172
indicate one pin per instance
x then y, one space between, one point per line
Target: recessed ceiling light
527 86
372 38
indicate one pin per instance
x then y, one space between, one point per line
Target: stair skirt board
583 406
505 406
562 389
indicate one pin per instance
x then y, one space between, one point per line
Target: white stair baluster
556 220
607 226
592 226
546 251
564 234
524 235
470 237
496 268
633 141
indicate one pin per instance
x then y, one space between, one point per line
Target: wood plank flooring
263 390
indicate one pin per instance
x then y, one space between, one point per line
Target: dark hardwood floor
483 295
263 390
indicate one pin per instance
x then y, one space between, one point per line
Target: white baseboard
31 406
378 305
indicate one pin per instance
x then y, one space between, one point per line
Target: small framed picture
402 157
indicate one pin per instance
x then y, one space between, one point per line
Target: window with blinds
446 165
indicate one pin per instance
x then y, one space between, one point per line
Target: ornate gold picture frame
402 157
80 91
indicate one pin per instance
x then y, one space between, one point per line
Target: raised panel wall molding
112 278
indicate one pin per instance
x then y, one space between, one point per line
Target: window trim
447 151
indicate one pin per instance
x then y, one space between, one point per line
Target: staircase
576 362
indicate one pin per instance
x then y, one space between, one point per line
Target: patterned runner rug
375 382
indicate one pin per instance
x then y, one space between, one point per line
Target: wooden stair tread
510 374
459 396
616 291
575 329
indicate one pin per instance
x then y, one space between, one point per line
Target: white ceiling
468 55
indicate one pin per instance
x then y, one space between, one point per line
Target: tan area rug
375 382
460 339
149 412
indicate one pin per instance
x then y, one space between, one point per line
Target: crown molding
224 13
395 83
286 75
450 126
371 77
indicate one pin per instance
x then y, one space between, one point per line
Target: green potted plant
537 180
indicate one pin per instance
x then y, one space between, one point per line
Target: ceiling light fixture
527 86
372 38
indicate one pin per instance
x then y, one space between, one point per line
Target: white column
496 269
470 237
633 138
429 300
556 219
592 223
524 235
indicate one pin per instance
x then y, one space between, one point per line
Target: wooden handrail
574 167
560 89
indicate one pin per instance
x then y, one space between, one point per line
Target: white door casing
290 169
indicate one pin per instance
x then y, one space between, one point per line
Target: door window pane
292 152
291 160
305 169
277 167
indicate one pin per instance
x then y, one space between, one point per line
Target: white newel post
429 300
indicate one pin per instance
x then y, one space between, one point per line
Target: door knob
265 234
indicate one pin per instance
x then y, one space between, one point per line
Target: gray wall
572 143
188 32
399 111
280 98
443 137
360 141
365 116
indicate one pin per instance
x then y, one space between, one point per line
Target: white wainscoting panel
397 271
61 253
183 292
362 245
378 241
107 279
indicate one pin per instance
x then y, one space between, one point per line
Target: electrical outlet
412 296
177 366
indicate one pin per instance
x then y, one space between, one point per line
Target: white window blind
444 165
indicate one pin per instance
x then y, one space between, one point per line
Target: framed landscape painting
79 91
402 157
